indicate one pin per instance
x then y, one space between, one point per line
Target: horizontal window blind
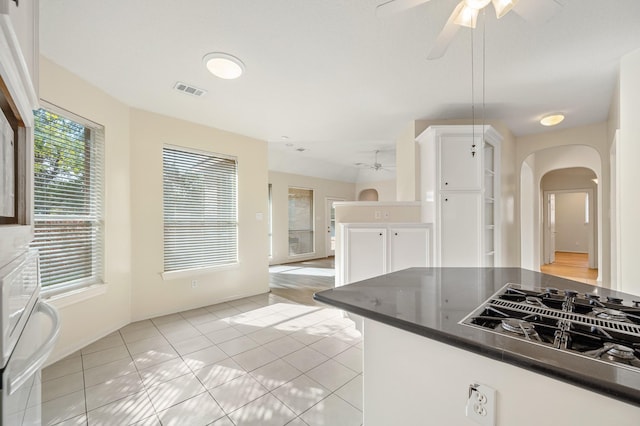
200 210
68 176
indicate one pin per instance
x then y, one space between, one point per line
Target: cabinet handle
396 234
381 234
446 183
446 199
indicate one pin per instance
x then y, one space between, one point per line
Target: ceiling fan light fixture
223 65
552 119
467 16
503 7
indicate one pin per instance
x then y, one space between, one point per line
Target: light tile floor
262 360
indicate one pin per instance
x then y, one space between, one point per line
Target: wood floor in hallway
574 266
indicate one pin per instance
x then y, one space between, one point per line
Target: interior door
330 228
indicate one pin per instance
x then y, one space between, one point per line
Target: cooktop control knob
615 300
636 303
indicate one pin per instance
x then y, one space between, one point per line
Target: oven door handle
39 357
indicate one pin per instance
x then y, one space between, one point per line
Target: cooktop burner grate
569 316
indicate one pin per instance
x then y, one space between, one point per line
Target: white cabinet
369 250
459 169
460 179
460 229
365 252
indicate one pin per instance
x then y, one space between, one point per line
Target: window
68 217
200 210
300 221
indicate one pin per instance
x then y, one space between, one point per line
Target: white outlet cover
481 405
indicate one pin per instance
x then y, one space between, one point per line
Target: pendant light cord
473 105
484 64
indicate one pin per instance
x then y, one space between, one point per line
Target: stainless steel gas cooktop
583 324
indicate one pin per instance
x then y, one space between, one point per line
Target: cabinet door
366 253
460 231
410 247
458 168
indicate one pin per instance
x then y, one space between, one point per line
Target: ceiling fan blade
392 7
446 35
538 11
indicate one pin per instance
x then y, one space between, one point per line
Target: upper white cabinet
460 179
370 250
458 168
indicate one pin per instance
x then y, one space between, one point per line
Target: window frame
97 174
312 230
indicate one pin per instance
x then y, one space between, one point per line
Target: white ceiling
334 78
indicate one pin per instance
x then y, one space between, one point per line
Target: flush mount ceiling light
223 65
552 119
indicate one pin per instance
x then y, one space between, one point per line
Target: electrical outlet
377 214
194 283
481 405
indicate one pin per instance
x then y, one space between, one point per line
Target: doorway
570 224
534 166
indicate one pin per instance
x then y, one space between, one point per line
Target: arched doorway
532 202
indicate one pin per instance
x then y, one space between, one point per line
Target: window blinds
68 176
200 210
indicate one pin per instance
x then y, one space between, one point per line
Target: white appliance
29 329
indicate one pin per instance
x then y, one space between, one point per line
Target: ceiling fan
376 166
466 13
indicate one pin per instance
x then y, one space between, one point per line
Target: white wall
85 321
322 189
151 295
629 153
572 233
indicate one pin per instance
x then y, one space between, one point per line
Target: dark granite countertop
431 301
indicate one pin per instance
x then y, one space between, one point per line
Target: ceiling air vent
189 90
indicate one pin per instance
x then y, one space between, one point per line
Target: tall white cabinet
460 187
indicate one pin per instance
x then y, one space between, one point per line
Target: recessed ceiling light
552 119
223 65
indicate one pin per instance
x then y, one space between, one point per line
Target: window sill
185 273
71 297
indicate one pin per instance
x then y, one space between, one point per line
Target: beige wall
86 320
629 172
322 190
407 165
133 216
386 189
151 295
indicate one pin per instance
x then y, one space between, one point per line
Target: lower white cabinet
460 227
369 250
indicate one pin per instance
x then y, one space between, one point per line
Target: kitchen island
420 361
